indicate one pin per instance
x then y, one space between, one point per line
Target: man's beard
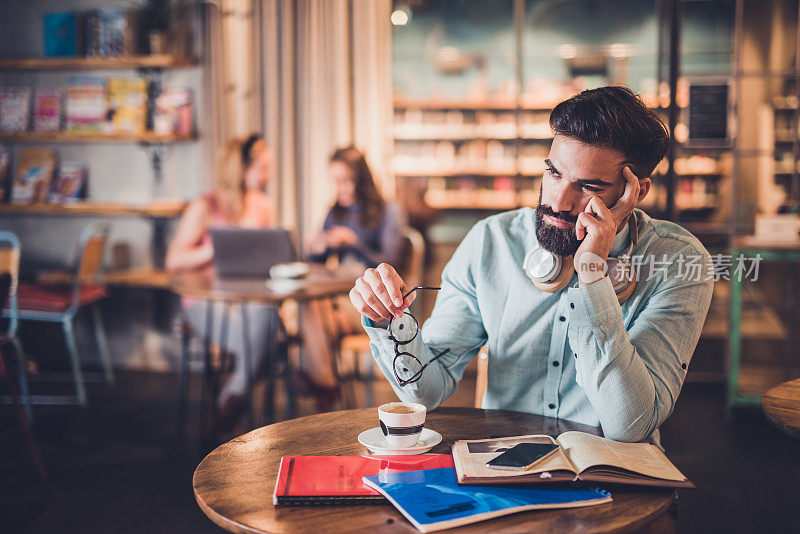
560 241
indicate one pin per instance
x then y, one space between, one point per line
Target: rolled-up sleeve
632 376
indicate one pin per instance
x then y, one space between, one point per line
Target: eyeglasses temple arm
420 287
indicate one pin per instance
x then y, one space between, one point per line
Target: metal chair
7 284
9 264
60 303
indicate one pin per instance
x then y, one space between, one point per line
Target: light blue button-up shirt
576 354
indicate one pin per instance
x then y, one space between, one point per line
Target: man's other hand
378 294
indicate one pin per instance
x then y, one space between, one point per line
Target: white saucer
375 441
292 270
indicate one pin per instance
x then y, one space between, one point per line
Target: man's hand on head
597 226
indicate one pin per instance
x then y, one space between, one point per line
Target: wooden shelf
161 209
465 172
717 173
756 379
69 137
493 103
469 137
508 104
759 243
138 277
758 324
483 206
155 61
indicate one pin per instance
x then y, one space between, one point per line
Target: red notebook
304 480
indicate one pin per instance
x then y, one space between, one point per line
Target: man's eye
591 189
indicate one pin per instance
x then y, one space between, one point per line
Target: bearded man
585 303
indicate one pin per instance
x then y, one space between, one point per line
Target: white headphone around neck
550 272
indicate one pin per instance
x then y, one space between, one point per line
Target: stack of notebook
422 487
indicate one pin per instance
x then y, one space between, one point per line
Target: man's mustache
547 210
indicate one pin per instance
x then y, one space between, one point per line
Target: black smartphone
522 456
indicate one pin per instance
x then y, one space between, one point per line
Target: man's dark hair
614 117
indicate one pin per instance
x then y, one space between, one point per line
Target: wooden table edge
216 518
768 411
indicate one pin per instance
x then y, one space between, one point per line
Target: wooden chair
482 377
7 286
353 361
61 302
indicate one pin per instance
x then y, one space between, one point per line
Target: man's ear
644 188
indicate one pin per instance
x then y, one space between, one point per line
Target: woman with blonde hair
239 198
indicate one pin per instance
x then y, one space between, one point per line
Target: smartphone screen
522 456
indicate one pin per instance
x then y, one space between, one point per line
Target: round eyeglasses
403 330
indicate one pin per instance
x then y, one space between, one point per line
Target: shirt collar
621 240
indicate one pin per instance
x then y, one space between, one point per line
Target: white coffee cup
401 423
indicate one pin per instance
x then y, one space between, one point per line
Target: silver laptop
250 252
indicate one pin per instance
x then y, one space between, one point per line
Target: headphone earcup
560 281
623 278
625 293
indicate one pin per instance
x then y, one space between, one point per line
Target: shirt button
572 305
576 355
551 406
555 364
562 318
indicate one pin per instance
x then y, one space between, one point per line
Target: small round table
206 285
234 484
320 283
781 406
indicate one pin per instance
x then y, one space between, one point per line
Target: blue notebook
433 500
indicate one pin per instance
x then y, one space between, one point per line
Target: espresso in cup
400 408
401 423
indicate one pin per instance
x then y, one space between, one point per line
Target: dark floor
116 467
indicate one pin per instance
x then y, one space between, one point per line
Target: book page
471 456
586 450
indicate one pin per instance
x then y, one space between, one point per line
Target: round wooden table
781 406
206 285
320 283
234 484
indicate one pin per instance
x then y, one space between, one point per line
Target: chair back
91 249
482 377
89 260
413 258
9 265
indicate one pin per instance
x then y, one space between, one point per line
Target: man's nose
562 201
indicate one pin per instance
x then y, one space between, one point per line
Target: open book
581 457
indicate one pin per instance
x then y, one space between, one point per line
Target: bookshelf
158 211
469 142
783 171
471 154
